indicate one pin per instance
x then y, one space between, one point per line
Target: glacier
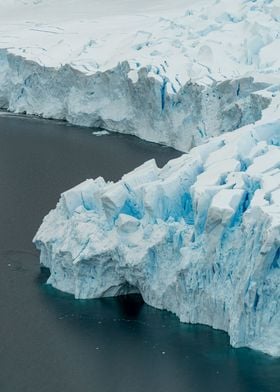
110 100
150 69
199 237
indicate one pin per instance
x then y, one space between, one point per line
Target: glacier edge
199 237
147 108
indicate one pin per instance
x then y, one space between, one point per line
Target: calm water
52 343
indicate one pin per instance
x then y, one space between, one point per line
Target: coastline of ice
175 74
111 101
199 237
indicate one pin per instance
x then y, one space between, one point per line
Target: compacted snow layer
199 237
172 72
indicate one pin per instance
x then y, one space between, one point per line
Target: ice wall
199 237
145 107
174 72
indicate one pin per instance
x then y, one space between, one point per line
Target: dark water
52 343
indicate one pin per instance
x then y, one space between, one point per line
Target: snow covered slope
199 237
174 72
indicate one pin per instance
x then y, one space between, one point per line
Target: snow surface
174 72
199 237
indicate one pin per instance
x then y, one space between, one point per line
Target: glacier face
111 100
199 237
153 71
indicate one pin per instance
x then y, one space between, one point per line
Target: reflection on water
51 342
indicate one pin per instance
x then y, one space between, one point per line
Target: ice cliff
112 101
171 72
199 237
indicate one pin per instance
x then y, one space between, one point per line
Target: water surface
52 343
